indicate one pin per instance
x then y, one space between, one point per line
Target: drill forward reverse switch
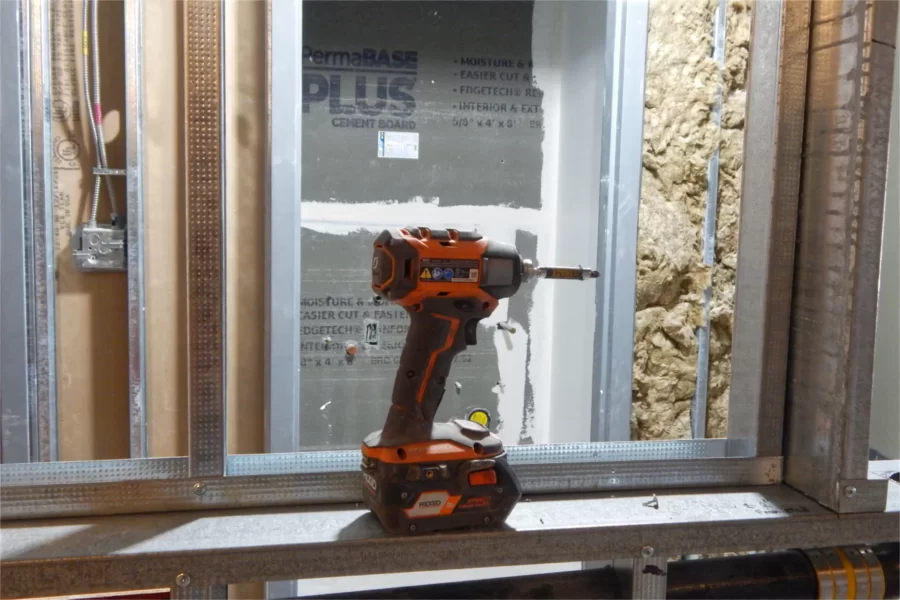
419 475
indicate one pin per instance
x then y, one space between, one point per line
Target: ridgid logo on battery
432 504
366 88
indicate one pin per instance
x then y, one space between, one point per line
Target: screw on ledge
647 551
849 491
199 488
182 580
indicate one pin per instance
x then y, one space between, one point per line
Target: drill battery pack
458 479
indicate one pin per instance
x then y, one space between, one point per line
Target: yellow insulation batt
679 138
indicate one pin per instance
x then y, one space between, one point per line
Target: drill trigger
470 329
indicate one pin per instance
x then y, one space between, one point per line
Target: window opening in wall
485 119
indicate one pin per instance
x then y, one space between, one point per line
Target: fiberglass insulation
679 138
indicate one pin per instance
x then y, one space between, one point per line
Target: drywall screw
199 488
504 326
647 551
413 527
182 580
849 491
458 386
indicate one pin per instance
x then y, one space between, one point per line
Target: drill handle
438 331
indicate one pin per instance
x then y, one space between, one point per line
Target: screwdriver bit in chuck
529 271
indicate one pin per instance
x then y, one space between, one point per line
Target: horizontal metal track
97 554
93 471
102 471
344 485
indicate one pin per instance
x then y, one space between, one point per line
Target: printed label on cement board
398 144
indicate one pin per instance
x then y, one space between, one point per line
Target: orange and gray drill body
421 476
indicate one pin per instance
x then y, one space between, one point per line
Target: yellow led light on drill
480 416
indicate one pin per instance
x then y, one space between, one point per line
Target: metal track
15 179
699 404
92 471
41 270
835 300
776 98
622 127
345 485
134 205
71 556
206 237
176 467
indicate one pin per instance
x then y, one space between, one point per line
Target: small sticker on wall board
398 144
372 334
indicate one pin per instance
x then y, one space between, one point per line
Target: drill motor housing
420 476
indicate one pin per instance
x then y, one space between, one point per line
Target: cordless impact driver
420 476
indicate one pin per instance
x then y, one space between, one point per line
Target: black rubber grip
437 333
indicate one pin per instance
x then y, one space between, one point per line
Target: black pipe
785 574
889 557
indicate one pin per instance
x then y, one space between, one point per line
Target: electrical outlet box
99 247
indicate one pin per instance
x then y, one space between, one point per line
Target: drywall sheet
679 138
433 105
453 78
164 226
92 323
91 309
246 135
